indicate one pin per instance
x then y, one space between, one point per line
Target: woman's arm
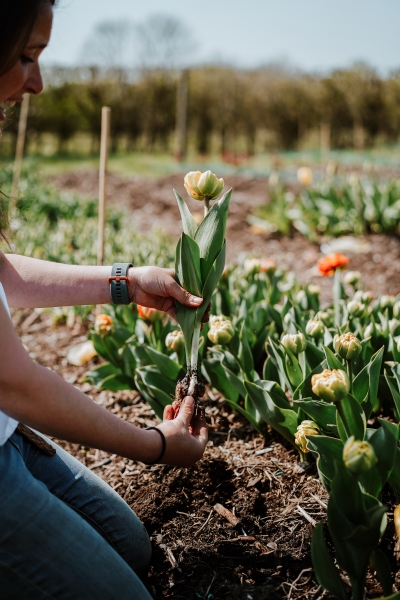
40 398
33 283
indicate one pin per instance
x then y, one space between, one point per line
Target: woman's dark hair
17 20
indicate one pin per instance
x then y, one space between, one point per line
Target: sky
313 35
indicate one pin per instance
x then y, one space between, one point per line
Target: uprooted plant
200 261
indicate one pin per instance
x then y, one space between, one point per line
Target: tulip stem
194 357
343 417
206 205
350 374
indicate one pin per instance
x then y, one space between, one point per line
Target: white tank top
7 425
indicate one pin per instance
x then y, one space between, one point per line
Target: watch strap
119 283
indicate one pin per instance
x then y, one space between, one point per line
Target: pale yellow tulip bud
294 342
314 289
356 309
305 176
325 317
315 328
190 182
347 346
252 265
352 277
331 386
104 325
209 185
358 457
304 430
221 332
386 302
175 340
396 309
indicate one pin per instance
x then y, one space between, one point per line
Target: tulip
331 386
175 340
352 278
104 325
356 309
305 176
315 328
359 457
304 430
394 326
373 330
252 265
325 317
396 309
294 342
301 296
268 266
314 289
347 346
386 302
81 353
150 314
221 332
203 186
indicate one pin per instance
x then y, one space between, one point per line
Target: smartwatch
119 283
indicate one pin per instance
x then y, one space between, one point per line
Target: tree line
228 110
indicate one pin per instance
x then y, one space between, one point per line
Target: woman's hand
185 443
156 288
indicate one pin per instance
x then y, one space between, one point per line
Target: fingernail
196 300
189 401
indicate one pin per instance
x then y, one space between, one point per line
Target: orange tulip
329 263
149 314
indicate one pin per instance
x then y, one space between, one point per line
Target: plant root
182 390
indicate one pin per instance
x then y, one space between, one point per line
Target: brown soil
154 207
197 553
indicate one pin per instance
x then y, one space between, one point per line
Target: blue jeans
64 533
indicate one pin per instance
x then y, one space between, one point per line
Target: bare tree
163 42
108 45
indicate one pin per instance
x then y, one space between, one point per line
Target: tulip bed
331 207
326 378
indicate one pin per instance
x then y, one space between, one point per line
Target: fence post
181 116
19 153
104 147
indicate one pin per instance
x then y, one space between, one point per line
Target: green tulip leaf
383 570
96 376
332 360
328 450
327 574
322 413
190 265
219 380
117 383
395 393
210 234
188 223
211 283
355 419
168 367
245 356
282 420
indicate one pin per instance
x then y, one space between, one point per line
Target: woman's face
24 77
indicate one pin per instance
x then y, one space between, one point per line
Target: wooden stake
104 147
181 115
19 153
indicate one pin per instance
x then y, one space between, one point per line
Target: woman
63 532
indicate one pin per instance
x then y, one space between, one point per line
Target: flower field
296 495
